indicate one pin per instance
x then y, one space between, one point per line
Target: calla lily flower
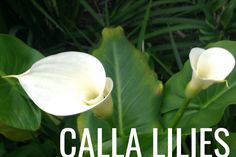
209 66
68 83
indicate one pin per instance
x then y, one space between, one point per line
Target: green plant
139 101
163 31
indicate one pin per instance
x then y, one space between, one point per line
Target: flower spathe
208 66
68 83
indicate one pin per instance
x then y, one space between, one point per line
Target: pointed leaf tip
112 31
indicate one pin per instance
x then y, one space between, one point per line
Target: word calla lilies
68 83
209 66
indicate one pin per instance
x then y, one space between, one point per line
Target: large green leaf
16 109
231 142
33 150
208 107
145 143
15 134
135 95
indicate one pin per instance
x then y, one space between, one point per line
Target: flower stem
179 113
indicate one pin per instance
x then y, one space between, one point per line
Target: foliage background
165 30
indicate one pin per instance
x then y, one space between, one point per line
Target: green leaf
135 93
33 150
215 5
230 141
2 148
144 26
145 142
89 120
15 134
228 13
92 12
208 107
16 109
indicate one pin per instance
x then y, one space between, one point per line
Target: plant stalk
180 113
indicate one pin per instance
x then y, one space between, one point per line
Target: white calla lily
68 83
209 66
